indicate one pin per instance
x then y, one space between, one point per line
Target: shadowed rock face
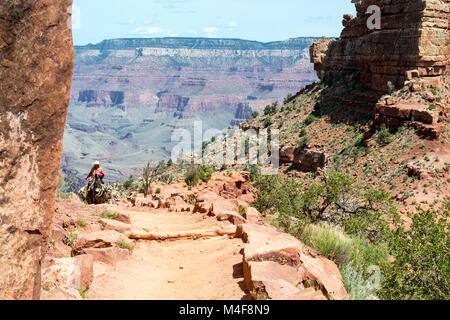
413 42
36 69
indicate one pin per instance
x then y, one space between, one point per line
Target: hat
96 163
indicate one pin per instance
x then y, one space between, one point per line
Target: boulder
233 217
108 255
36 70
108 224
100 239
272 279
202 207
75 273
252 215
248 198
220 206
123 216
310 161
325 273
287 154
266 244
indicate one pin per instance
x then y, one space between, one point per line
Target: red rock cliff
413 42
36 68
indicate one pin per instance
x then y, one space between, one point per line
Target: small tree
192 176
255 114
149 174
421 270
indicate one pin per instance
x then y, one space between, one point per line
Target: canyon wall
413 42
128 95
36 68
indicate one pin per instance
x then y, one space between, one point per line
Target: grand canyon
128 95
357 209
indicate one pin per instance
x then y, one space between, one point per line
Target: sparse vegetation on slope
374 177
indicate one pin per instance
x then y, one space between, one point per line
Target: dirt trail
200 269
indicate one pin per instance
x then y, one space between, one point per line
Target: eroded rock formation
36 68
413 42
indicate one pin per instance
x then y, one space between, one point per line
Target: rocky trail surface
203 244
178 268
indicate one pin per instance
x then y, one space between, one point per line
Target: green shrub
303 133
254 172
82 223
309 119
158 190
121 243
383 136
106 215
329 241
270 109
83 293
267 122
192 176
129 183
356 284
205 173
255 114
303 143
421 269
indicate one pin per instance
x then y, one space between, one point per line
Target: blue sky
261 20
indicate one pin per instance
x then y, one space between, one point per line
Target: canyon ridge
128 95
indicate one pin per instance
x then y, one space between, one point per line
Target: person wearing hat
96 171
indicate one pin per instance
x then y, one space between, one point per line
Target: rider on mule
96 171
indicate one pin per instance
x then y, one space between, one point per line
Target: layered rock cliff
36 68
145 88
413 42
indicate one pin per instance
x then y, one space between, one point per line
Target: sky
261 20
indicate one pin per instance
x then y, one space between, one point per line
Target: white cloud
233 24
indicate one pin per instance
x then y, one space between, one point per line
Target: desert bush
128 184
267 122
309 119
106 214
303 143
356 284
255 114
192 176
121 243
270 109
205 172
421 269
254 172
335 198
383 136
